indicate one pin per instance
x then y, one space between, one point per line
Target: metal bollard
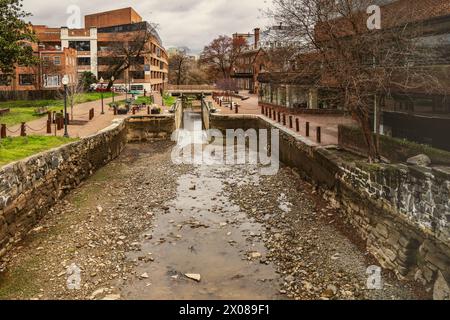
307 129
49 114
237 109
262 110
319 135
49 126
291 123
284 119
297 125
68 119
279 116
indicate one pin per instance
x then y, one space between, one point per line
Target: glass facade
289 96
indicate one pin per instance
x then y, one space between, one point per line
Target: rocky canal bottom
144 228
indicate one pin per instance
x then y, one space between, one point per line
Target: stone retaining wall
403 212
29 188
146 128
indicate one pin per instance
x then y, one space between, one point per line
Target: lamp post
112 88
65 82
101 91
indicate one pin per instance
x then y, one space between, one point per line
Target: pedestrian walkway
80 126
308 124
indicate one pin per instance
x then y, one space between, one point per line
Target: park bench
4 111
41 111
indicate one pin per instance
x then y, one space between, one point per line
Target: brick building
54 65
92 49
414 113
249 63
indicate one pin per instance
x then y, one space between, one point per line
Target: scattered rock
419 160
441 289
254 255
112 297
194 276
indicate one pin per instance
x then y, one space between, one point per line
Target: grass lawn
169 100
13 149
139 100
23 111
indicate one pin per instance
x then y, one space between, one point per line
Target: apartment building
93 49
47 75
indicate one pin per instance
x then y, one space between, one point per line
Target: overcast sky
191 23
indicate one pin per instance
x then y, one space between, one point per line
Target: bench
4 111
41 111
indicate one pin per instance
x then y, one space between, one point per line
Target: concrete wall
402 212
145 128
29 188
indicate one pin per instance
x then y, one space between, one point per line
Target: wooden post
58 123
3 131
279 116
262 110
284 119
115 110
291 123
297 125
319 135
237 109
49 126
307 129
23 132
49 113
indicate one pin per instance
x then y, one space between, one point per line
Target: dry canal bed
143 228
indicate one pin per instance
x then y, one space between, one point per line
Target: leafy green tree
87 79
16 35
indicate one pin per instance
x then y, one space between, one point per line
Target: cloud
190 23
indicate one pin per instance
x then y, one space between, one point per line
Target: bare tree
178 67
338 49
221 54
123 55
74 92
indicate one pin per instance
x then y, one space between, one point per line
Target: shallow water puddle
202 233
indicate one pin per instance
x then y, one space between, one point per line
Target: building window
139 75
51 81
80 45
84 61
26 79
5 79
57 60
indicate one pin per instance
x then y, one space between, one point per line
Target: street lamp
65 82
101 91
112 88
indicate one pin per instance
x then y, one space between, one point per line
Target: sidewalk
80 126
328 123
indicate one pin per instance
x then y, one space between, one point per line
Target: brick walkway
80 126
328 123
